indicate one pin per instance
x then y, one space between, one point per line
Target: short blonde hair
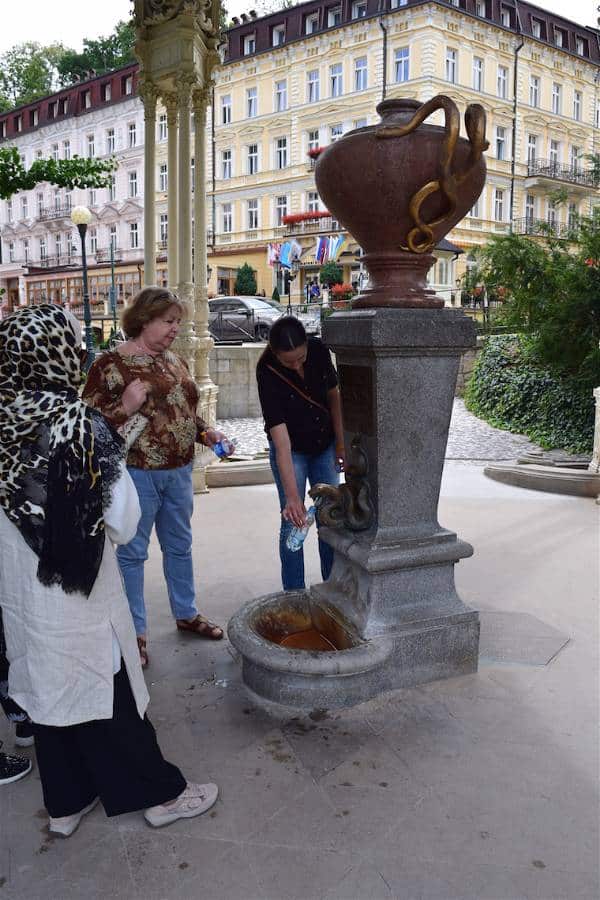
148 304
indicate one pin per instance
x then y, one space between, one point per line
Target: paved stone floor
483 787
469 439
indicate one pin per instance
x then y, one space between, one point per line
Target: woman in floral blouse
145 375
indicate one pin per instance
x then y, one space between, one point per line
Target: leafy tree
245 282
100 55
27 71
331 274
67 173
552 290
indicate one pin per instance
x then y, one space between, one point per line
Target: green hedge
510 391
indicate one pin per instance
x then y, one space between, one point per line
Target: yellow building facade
299 79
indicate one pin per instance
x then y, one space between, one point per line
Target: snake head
475 126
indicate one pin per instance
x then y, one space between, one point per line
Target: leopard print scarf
58 457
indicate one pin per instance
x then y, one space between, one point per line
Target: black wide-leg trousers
116 759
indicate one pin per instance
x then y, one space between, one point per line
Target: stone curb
543 478
237 474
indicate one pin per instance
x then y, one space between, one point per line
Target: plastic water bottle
224 448
297 536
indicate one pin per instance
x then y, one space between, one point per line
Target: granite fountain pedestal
389 615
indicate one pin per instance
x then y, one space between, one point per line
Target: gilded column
184 96
186 342
208 390
200 102
149 95
170 100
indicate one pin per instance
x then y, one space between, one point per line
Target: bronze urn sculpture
399 187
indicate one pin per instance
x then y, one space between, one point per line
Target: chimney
252 13
244 17
235 20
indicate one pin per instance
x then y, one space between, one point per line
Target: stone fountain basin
349 671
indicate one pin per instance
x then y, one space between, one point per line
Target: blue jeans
316 469
167 501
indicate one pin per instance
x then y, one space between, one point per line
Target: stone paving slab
477 788
469 438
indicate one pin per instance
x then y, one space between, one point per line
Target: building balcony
104 255
316 225
56 262
54 212
540 171
544 228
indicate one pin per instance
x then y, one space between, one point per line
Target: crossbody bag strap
298 390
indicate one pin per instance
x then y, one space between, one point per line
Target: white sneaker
66 825
193 801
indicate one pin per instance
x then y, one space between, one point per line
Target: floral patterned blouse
167 441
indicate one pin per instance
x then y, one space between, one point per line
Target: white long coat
60 646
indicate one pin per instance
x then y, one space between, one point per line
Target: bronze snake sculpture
348 505
420 239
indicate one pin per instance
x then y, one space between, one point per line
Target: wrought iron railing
323 225
55 212
527 225
552 169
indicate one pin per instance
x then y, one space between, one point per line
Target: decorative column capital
170 100
200 101
185 83
149 94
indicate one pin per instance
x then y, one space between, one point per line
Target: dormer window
18 122
359 9
560 38
278 35
33 118
536 28
127 85
311 23
86 99
249 44
106 91
581 46
334 16
480 8
3 129
505 16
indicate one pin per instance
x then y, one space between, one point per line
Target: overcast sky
70 21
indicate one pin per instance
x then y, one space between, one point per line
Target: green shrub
245 282
510 390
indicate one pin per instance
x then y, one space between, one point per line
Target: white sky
70 21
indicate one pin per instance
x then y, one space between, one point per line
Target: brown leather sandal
201 627
144 658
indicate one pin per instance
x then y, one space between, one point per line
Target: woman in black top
300 401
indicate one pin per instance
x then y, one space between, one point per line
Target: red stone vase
399 187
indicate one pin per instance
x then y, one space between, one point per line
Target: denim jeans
167 501
316 469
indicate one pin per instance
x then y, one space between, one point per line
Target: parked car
241 318
308 313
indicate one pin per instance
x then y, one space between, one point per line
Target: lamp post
81 217
113 289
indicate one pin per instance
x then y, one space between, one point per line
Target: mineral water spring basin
297 652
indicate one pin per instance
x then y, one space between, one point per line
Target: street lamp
81 217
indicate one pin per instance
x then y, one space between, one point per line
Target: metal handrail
553 169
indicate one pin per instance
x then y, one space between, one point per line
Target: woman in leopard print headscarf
65 497
58 457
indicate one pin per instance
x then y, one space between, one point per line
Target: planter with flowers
341 294
296 218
